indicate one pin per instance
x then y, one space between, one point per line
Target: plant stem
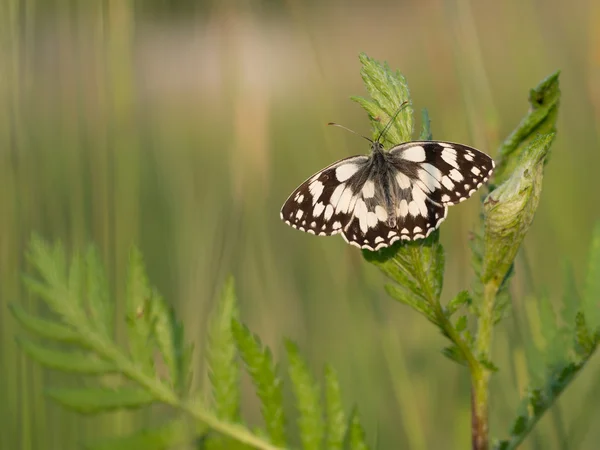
480 375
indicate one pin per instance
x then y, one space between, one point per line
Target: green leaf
419 304
509 211
99 400
176 432
101 309
541 119
461 324
44 328
54 285
426 130
66 361
356 434
388 90
336 420
417 267
585 342
221 356
571 299
455 354
307 393
139 325
463 298
168 334
591 296
268 383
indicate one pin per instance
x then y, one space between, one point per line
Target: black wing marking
448 173
321 205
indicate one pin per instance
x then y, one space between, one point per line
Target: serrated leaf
426 126
168 334
221 355
53 285
74 362
44 328
355 438
463 298
268 383
541 119
336 420
308 400
591 296
174 433
455 354
99 400
419 304
461 324
414 266
139 325
101 309
388 90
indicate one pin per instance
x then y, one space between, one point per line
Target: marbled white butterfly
375 200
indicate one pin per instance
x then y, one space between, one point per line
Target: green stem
480 375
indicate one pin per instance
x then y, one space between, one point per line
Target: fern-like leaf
308 402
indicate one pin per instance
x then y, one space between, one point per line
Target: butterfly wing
446 172
321 205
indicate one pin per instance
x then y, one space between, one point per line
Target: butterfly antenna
389 124
348 129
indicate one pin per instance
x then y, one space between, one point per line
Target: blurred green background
182 126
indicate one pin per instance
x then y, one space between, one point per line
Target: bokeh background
182 126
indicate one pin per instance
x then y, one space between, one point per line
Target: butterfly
399 194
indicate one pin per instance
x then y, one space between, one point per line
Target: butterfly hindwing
448 173
320 205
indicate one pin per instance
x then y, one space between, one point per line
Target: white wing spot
378 239
368 190
313 224
360 212
434 171
381 213
300 198
316 189
467 187
449 155
471 192
417 229
479 185
318 209
392 233
344 204
299 214
404 231
310 231
469 157
403 180
448 184
445 198
456 175
337 193
403 208
475 170
345 171
415 154
372 220
337 225
444 144
413 208
328 212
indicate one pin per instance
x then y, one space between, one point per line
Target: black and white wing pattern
320 204
402 194
449 173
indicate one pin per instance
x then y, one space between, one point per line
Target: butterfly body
400 194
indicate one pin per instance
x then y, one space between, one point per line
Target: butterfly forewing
377 200
447 173
316 205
